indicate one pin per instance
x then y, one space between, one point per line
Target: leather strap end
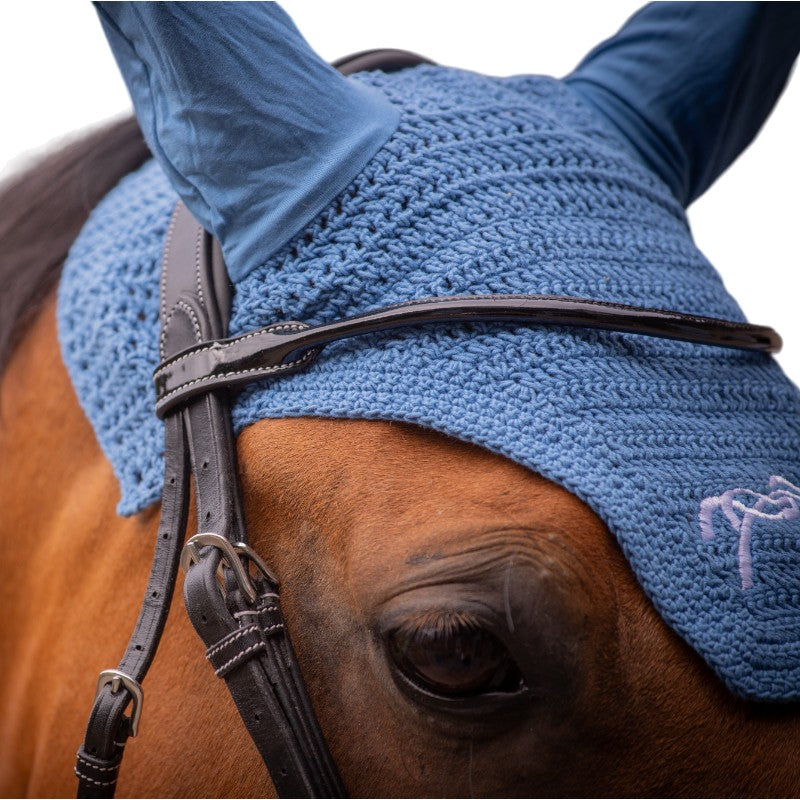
97 777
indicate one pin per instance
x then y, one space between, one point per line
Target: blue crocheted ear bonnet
689 453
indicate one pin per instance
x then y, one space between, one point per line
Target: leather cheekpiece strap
195 303
247 642
246 638
100 754
249 646
99 757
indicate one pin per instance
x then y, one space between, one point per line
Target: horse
369 525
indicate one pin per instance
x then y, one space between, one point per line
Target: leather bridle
231 596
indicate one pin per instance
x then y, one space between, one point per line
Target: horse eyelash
436 625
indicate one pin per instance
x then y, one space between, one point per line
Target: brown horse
370 526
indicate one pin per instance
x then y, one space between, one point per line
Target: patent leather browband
289 346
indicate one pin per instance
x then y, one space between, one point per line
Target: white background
57 76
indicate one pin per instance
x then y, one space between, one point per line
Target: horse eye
453 656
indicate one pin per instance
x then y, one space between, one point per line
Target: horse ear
688 87
256 133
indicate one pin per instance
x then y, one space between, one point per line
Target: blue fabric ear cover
254 130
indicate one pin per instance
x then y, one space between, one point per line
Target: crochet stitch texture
501 186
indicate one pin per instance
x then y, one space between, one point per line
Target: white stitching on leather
273 627
233 637
195 322
252 647
239 656
197 249
238 614
163 287
281 326
92 780
424 301
163 337
189 313
261 370
99 769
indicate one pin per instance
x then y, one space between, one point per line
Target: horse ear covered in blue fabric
436 181
255 132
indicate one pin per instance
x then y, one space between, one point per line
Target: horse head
490 588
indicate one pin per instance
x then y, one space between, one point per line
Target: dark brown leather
193 312
249 647
248 643
108 729
290 346
384 60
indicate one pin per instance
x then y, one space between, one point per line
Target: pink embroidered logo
741 507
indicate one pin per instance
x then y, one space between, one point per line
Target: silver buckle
232 555
117 678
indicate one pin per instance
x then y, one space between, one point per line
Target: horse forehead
385 493
374 461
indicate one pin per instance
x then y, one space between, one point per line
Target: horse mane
43 210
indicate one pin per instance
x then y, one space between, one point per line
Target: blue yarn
499 185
